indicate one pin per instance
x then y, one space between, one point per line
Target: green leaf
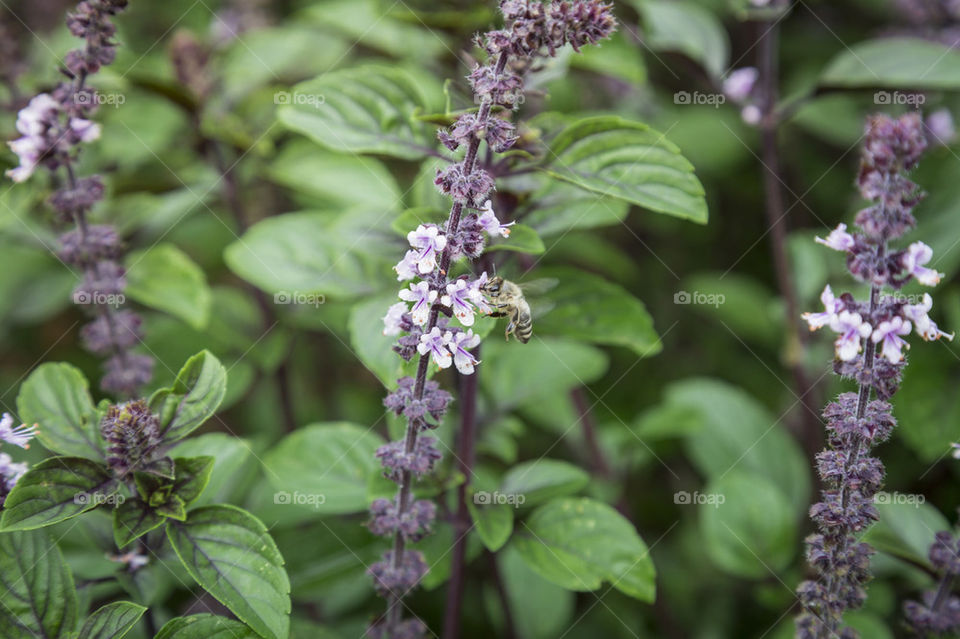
590 308
543 479
748 308
520 372
906 527
230 553
325 467
580 543
380 28
687 28
231 455
543 610
193 398
630 161
367 109
165 278
560 208
335 180
57 488
112 621
749 528
38 598
667 420
369 343
329 254
132 519
895 63
741 434
205 626
522 239
192 475
493 522
57 398
615 57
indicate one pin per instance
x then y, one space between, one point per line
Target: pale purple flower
838 240
407 267
913 261
941 128
393 319
831 306
34 118
86 130
33 121
889 333
461 297
739 85
429 242
922 324
489 222
751 114
16 435
852 329
435 343
955 450
422 297
10 472
460 345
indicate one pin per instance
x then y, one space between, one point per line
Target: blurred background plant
265 231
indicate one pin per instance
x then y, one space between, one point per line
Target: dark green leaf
747 525
165 278
368 109
906 527
112 621
231 554
56 489
369 343
543 479
325 467
205 627
589 308
580 543
493 522
522 239
520 372
132 519
630 161
192 475
688 28
57 398
194 396
37 598
314 255
895 63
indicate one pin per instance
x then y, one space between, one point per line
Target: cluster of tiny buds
11 471
52 127
132 433
938 612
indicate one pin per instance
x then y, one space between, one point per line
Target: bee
507 300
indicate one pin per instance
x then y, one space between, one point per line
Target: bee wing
538 286
540 308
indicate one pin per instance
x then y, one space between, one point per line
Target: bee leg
510 328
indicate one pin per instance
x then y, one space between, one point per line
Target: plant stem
597 458
510 627
413 425
810 432
461 521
